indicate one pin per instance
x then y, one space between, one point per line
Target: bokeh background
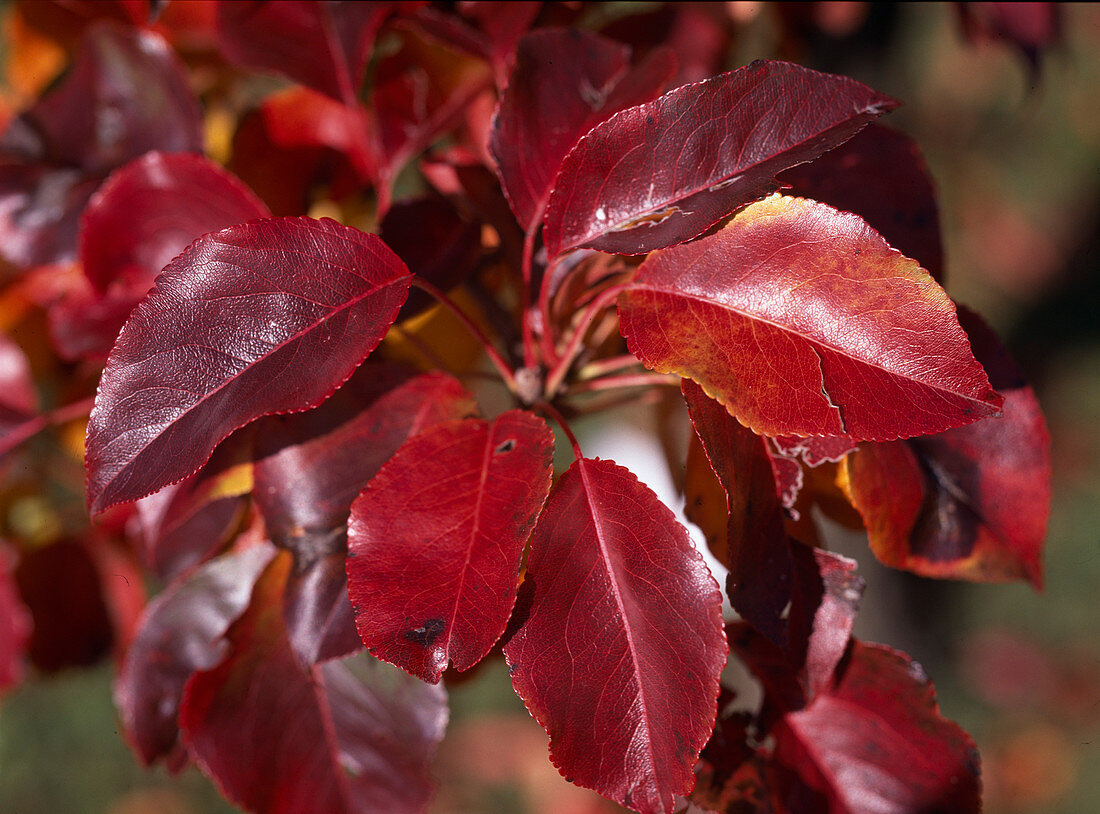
1014 146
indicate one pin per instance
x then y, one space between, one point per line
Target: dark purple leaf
877 742
434 541
150 210
181 631
801 320
565 81
324 45
361 734
619 641
319 618
663 172
262 318
126 94
880 175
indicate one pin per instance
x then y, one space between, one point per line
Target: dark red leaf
361 735
815 451
323 45
436 242
310 467
619 643
256 319
434 541
126 94
970 503
150 210
183 524
877 742
181 631
801 320
880 175
662 172
759 561
15 623
565 82
319 618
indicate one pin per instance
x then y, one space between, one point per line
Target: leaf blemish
424 636
506 446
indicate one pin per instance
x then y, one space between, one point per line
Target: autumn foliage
335 322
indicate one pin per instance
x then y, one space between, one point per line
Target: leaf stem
626 380
529 359
505 370
601 367
573 347
551 411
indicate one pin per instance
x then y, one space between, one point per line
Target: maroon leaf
434 541
436 243
760 569
362 734
320 44
970 503
261 318
619 643
310 467
662 172
181 631
801 320
499 27
15 623
880 175
319 618
150 210
877 742
565 82
126 94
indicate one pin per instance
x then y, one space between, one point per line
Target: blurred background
1012 138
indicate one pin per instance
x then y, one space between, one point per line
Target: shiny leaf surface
619 643
362 733
181 631
663 172
970 503
801 320
565 81
877 742
262 318
434 541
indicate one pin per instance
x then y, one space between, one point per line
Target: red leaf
18 396
262 318
150 210
801 320
323 45
759 579
434 541
126 94
499 29
619 643
970 503
181 631
877 743
15 623
880 175
662 172
815 451
319 618
565 81
310 467
361 736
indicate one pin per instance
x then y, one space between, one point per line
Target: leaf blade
268 304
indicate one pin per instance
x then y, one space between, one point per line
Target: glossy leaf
323 45
362 734
565 81
150 210
262 318
801 320
663 172
759 559
619 640
877 742
880 175
15 623
126 94
434 541
181 631
970 503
